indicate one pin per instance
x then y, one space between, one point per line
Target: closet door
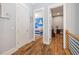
22 24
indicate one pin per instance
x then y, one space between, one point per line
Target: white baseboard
9 52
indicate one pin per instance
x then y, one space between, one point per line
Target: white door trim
36 10
64 20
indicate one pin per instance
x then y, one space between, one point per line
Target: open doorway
57 30
57 20
38 23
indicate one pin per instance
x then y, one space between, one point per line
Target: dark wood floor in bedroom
39 48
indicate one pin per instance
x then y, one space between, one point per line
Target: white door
22 24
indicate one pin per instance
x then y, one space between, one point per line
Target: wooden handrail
73 35
67 40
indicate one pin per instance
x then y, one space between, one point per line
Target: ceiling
58 11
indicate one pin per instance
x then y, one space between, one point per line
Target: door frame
36 10
64 21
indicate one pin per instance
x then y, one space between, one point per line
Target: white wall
72 18
7 27
57 21
0 9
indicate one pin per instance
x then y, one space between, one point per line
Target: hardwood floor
39 48
56 45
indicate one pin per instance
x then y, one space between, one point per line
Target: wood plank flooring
56 45
39 48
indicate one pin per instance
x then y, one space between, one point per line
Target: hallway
38 48
21 24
